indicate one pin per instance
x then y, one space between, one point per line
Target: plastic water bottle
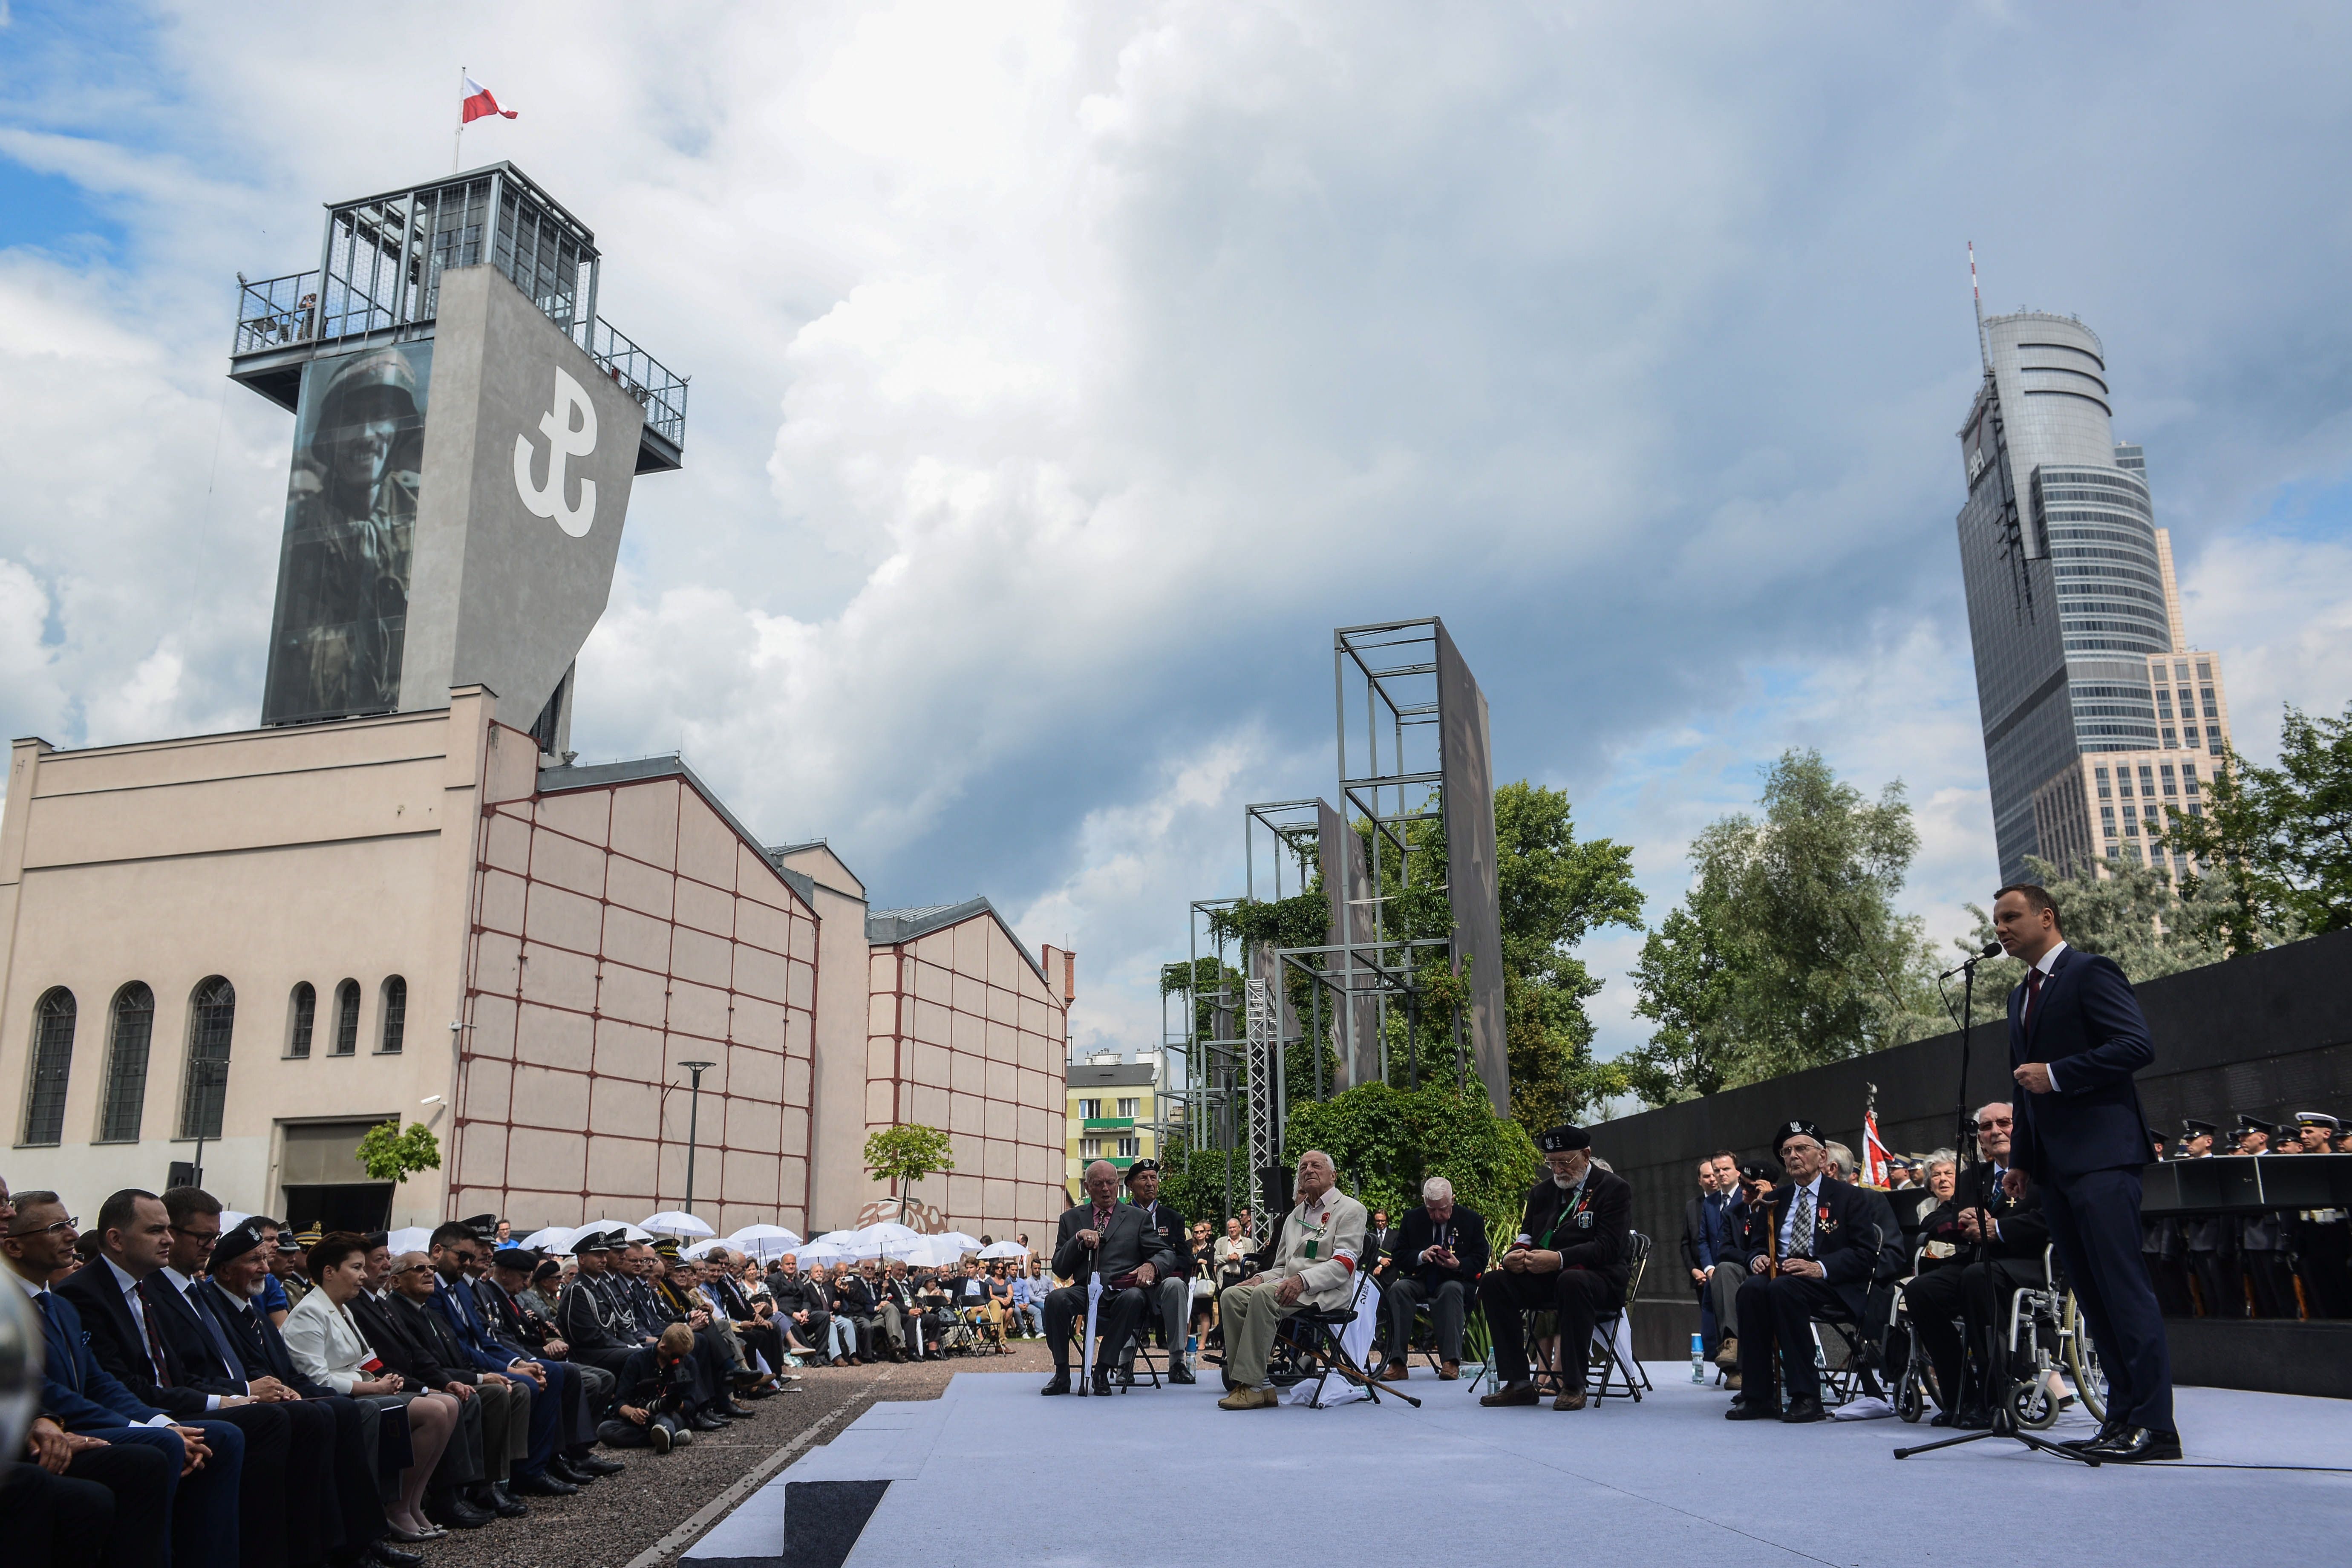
1191 1352
1698 1358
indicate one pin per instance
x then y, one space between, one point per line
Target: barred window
347 1018
304 1009
212 1019
395 1014
132 1031
52 1036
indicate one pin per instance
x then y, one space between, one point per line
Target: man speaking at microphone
2075 1038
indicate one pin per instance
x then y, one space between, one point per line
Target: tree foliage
2282 834
1386 1140
906 1154
393 1155
1789 951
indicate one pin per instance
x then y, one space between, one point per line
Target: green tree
1792 953
1386 1140
2285 834
906 1154
1554 891
392 1154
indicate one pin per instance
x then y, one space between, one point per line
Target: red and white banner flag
478 102
1874 1154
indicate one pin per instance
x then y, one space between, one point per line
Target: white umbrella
231 1218
890 1240
628 1232
764 1241
676 1222
409 1238
554 1238
963 1243
1004 1249
932 1252
835 1238
701 1249
822 1251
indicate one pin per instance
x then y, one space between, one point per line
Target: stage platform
992 1473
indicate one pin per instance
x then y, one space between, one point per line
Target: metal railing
285 313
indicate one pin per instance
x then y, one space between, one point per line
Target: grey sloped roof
571 776
885 928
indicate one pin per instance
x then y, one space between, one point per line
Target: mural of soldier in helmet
351 513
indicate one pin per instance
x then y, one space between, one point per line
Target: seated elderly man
1174 1290
1314 1266
1105 1236
1568 1258
1813 1246
2000 1239
1440 1249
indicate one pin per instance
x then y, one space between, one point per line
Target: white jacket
326 1344
1335 1225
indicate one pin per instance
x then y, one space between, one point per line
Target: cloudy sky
1062 375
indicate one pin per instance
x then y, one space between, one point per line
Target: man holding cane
1106 1237
2075 1038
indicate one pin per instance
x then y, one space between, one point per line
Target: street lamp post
693 1124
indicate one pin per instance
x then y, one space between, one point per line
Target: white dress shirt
1813 1189
2048 965
129 1289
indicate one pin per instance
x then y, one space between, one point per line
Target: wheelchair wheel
2032 1405
1911 1398
2083 1363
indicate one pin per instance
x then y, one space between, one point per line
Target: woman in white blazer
328 1347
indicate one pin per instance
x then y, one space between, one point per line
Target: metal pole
693 1125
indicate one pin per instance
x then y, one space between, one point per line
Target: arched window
212 1017
45 1100
347 1018
126 1064
395 1014
304 1012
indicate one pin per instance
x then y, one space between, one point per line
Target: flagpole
457 152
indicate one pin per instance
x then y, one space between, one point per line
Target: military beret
236 1242
522 1260
1788 1130
375 1238
1141 1166
1563 1138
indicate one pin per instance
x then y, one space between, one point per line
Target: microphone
1991 949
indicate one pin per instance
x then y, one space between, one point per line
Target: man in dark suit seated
584 1389
202 1460
1440 1249
231 1294
2002 1239
408 1347
85 1501
126 1325
2075 1038
1813 1248
1568 1258
1107 1236
504 1401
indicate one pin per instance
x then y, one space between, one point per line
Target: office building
2097 711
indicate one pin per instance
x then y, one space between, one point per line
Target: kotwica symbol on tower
564 438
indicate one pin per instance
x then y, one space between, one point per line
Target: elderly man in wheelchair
1959 1312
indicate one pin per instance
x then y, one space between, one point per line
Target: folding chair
1603 1363
1315 1335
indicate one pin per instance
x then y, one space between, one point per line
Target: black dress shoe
504 1503
1179 1372
385 1553
1804 1407
735 1412
2112 1426
560 1469
1102 1384
456 1513
2134 1445
543 1485
1743 1410
588 1464
702 1423
1059 1384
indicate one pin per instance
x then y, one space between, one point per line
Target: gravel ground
611 1523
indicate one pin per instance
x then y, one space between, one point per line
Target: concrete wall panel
567 863
493 1034
699 956
644 822
585 814
704 908
552 1037
563 919
699 1010
619 1169
482 1157
761 925
635 996
557 1161
648 889
506 843
487 1094
547 1097
560 979
707 846
501 903
626 1050
636 939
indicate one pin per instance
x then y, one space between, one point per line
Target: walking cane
1094 1303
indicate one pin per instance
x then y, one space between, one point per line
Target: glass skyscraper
2073 610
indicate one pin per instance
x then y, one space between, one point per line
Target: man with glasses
2002 1239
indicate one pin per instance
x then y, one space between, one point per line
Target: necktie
231 1361
154 1341
2032 995
1800 1232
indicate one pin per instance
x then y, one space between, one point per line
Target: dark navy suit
2084 1142
463 1315
81 1397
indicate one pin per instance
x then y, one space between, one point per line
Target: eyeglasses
44 1230
1996 1123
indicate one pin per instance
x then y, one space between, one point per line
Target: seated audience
1171 1291
1106 1239
1441 1250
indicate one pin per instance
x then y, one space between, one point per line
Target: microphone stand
1999 1390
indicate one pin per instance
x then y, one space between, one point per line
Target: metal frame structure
379 281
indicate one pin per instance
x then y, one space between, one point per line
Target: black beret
1562 1138
520 1258
1141 1166
236 1242
1755 1172
1789 1129
376 1238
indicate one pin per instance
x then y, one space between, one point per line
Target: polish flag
478 102
1873 1154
